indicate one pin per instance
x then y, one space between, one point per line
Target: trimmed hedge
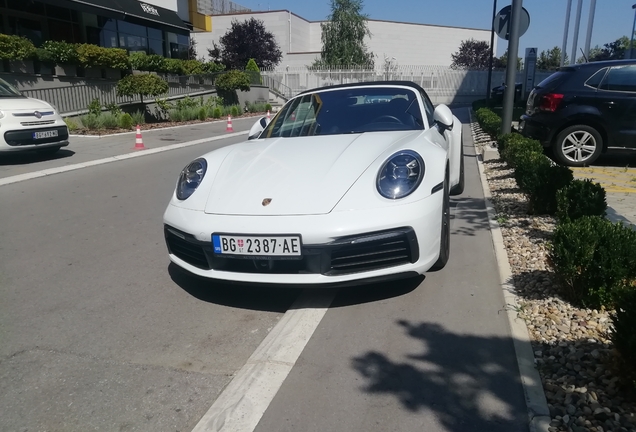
623 337
16 48
489 121
511 146
593 259
580 198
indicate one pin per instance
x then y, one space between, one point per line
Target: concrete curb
538 412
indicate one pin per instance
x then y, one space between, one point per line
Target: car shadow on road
26 158
469 216
469 383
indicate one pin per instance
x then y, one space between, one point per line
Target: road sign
503 20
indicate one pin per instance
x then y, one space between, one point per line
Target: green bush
90 56
623 336
203 113
61 52
187 102
138 117
91 121
234 111
540 180
190 114
175 115
268 107
142 85
44 56
192 67
173 66
489 121
139 60
514 145
126 121
228 83
16 48
109 121
113 108
593 259
71 124
580 198
211 67
95 107
115 58
253 71
217 113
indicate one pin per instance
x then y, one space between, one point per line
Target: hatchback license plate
257 246
45 134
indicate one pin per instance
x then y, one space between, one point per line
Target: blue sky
613 18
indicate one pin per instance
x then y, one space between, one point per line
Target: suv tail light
550 102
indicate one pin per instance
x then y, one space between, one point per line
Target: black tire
48 151
444 247
459 187
577 146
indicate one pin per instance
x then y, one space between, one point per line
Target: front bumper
23 139
337 248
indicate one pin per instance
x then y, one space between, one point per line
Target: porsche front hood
298 176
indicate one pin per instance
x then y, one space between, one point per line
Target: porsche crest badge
266 202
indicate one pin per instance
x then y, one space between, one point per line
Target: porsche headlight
400 175
190 178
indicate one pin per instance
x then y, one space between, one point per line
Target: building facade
129 24
397 42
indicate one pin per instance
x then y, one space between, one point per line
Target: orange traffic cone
229 125
268 115
139 143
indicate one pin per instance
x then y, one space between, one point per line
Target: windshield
7 90
347 111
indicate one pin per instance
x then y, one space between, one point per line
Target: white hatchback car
29 124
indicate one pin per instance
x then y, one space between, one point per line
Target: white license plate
44 134
257 246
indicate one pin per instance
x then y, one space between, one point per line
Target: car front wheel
444 243
578 146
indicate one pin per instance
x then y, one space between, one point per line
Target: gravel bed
572 349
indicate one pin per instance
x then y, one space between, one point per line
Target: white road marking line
139 153
241 405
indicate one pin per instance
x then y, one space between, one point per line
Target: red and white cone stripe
139 143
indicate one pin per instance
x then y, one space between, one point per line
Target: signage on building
149 9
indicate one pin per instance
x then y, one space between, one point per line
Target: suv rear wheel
578 145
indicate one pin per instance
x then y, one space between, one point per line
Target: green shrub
71 124
268 107
190 114
203 113
481 103
138 117
113 108
234 111
228 83
217 113
580 198
163 108
514 145
211 67
44 56
16 48
62 52
489 121
192 67
141 85
173 66
253 71
593 259
175 115
187 102
90 56
126 121
95 107
91 121
623 337
109 121
140 61
540 180
115 58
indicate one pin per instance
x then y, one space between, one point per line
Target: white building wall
410 44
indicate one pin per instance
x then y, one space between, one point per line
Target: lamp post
631 42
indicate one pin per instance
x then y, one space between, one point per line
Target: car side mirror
443 117
257 128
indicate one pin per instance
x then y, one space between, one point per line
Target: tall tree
613 50
502 62
471 54
246 40
343 36
550 60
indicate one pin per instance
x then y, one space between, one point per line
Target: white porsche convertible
346 184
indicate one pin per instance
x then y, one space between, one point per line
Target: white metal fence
443 85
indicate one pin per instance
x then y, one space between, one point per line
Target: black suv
582 110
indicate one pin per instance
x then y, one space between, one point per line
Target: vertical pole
575 36
631 42
511 69
564 47
492 43
590 24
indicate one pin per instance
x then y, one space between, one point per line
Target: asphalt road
99 332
